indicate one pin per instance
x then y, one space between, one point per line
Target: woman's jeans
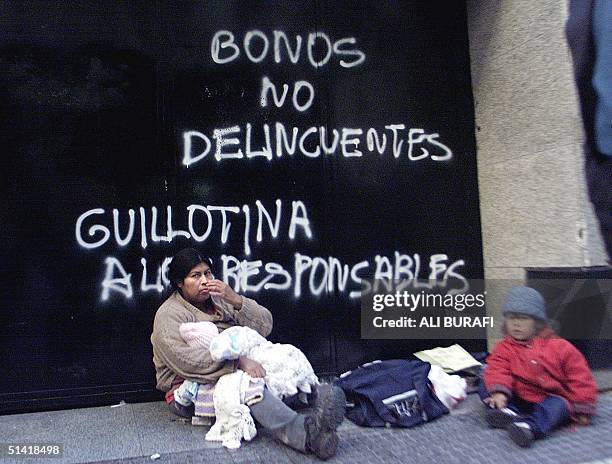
283 422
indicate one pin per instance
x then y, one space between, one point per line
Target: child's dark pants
542 417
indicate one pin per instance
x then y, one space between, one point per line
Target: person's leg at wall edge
544 418
315 432
598 168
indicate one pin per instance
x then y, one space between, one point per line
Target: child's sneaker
521 434
186 393
501 418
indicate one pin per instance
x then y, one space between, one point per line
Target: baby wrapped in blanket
288 372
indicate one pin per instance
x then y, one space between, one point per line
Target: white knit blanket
288 372
234 422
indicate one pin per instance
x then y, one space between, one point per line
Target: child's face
520 326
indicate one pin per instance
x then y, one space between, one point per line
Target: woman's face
520 326
194 286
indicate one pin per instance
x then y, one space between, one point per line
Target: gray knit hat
525 300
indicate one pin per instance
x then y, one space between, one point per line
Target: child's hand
253 368
497 400
583 419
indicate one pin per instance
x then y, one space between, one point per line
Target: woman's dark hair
183 262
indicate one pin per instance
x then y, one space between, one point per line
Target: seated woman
194 287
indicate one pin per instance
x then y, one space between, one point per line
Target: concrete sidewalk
134 432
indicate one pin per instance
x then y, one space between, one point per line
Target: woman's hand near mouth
225 292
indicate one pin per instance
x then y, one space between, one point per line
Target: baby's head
198 333
524 312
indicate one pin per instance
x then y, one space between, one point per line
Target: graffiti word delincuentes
235 142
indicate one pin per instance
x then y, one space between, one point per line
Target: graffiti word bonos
257 46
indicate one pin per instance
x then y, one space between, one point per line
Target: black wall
95 98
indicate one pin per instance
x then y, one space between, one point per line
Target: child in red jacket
536 380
